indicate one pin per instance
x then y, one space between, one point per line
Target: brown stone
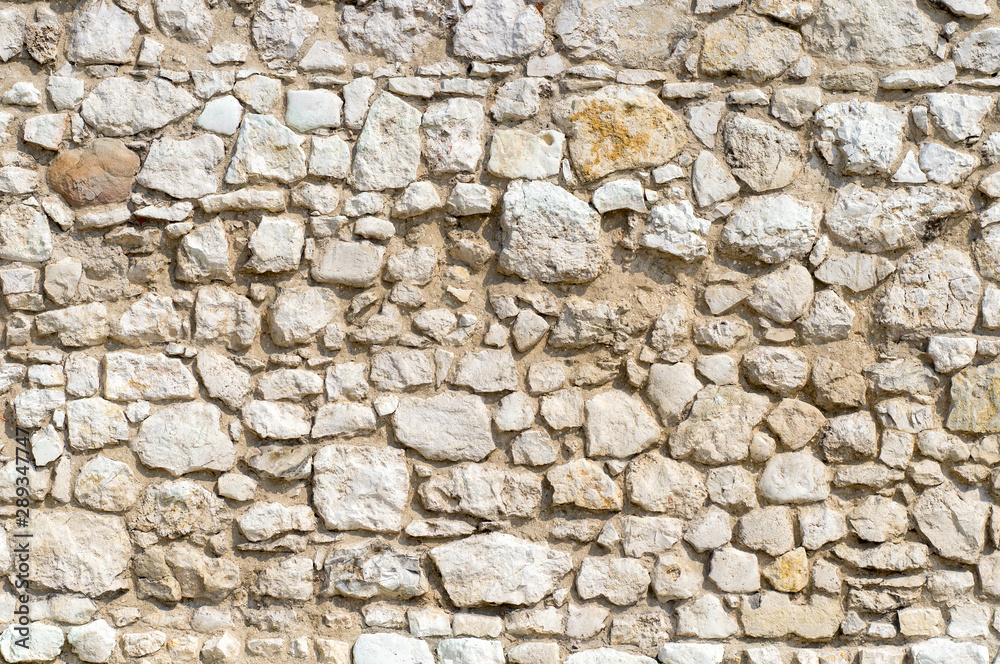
99 173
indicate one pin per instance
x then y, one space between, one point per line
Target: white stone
130 376
618 425
470 651
717 431
736 571
469 198
891 34
101 33
12 26
710 529
942 650
24 235
960 116
711 181
343 419
94 423
771 229
280 28
619 195
80 552
225 317
44 642
977 51
795 106
674 229
46 131
221 115
387 152
868 137
605 656
276 244
783 295
515 412
308 110
65 92
909 171
584 484
622 581
944 165
151 319
703 120
873 220
106 485
934 290
380 648
955 525
223 380
767 529
450 426
123 107
297 314
187 20
418 199
650 534
951 353
93 642
261 93
357 95
324 56
499 569
185 438
705 618
498 30
761 155
33 407
46 445
878 519
515 153
691 653
223 649
276 421
830 318
453 136
658 484
203 254
265 520
518 100
183 169
797 477
266 150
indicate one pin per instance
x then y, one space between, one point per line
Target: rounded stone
99 173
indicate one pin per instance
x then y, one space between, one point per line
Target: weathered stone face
100 173
80 552
641 34
620 128
498 569
975 400
749 47
438 332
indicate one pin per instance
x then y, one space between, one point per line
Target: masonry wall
584 331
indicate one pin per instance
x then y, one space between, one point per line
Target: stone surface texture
489 331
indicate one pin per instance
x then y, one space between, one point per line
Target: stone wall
584 331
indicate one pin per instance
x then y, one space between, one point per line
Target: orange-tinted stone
100 173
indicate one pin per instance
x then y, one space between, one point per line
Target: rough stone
550 235
498 569
620 128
